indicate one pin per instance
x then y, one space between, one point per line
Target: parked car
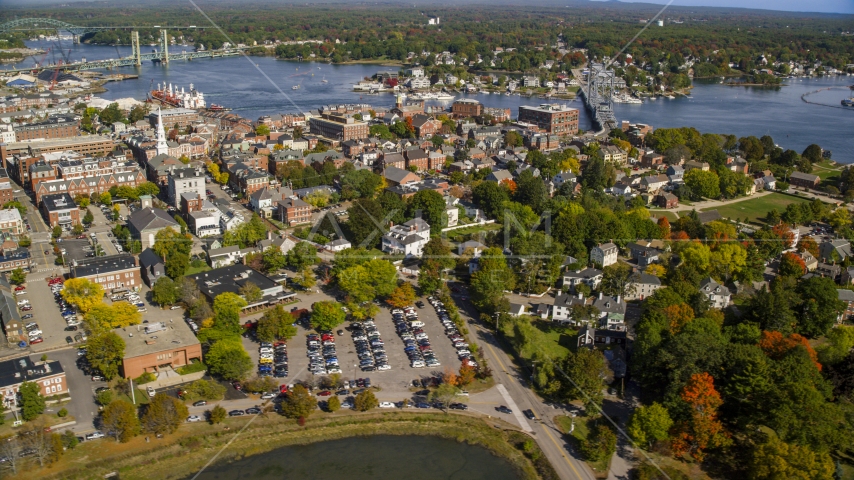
236 413
200 403
93 436
194 418
503 409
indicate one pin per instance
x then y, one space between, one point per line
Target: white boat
444 96
295 87
669 97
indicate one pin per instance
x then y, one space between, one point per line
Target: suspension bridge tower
164 46
137 54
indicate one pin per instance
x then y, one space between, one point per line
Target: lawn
463 234
671 216
191 270
579 434
755 209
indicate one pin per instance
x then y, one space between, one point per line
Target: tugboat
218 108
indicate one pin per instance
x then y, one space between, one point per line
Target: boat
848 102
218 108
324 81
295 87
444 96
669 97
179 98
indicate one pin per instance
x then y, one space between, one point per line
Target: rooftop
161 336
103 265
18 370
230 279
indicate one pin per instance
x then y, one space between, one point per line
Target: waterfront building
551 118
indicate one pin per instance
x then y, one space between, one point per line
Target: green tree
302 255
217 415
306 278
121 420
228 359
364 219
32 402
57 232
600 444
445 394
706 184
176 264
274 259
276 324
203 390
164 291
251 292
365 282
105 351
164 414
18 277
262 130
88 218
365 401
820 306
22 209
812 153
298 403
227 307
587 369
432 207
333 404
491 280
326 315
649 424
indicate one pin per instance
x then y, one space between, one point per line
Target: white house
604 254
564 177
718 295
642 285
408 239
185 180
591 277
338 245
220 257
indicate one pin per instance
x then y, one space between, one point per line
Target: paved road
513 379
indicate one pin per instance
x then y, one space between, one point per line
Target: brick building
60 209
54 127
84 145
174 116
112 271
339 127
157 347
49 376
466 108
293 211
552 118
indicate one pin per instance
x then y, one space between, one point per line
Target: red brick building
112 271
466 108
56 127
551 118
293 211
60 209
426 126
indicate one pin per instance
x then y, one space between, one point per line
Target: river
369 458
242 84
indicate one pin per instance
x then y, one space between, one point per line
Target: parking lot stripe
512 405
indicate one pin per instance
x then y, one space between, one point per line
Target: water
370 458
237 83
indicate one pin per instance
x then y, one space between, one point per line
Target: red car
283 389
19 288
36 340
26 308
324 393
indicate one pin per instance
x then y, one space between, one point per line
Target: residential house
264 200
293 211
717 294
834 251
398 176
591 277
653 183
652 160
146 222
666 200
847 296
642 285
408 239
643 253
604 254
153 267
219 257
696 165
804 180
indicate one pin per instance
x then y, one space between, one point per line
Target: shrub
62 413
146 377
194 367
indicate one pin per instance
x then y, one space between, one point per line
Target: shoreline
184 453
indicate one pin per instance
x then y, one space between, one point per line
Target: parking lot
397 379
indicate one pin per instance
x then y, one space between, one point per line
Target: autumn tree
298 403
466 375
103 317
227 307
776 346
402 296
702 430
776 459
678 316
105 351
664 226
276 323
120 419
164 414
792 265
808 244
365 401
217 415
82 293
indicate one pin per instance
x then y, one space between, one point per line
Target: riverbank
184 453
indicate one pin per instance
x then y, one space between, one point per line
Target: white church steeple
162 147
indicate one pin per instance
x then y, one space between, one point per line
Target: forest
529 36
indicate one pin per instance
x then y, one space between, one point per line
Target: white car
333 370
151 392
93 436
386 405
384 366
194 418
265 350
418 364
268 396
23 302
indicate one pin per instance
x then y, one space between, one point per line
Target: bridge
136 58
597 95
29 24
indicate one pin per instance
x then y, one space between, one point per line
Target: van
416 324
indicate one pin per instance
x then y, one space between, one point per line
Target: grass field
671 216
755 209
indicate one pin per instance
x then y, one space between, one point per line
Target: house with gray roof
407 239
145 223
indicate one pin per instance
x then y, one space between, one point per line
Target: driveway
82 405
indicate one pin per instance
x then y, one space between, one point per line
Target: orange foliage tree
785 234
466 376
775 345
792 265
703 430
509 184
678 316
808 244
681 236
664 225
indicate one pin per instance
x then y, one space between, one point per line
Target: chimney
618 298
600 295
580 296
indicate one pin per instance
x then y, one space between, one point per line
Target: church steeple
162 147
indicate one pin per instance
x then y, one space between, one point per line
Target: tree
600 444
262 130
105 351
365 401
88 218
228 359
164 414
275 324
326 315
104 317
587 369
812 153
369 280
306 278
32 402
792 265
616 280
402 296
227 307
432 207
820 306
22 209
776 459
203 390
217 415
703 430
176 264
302 255
82 293
165 291
298 403
363 221
120 419
445 394
106 198
703 183
649 424
18 277
491 197
333 404
250 292
274 259
492 279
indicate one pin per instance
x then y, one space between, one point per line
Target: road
514 382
